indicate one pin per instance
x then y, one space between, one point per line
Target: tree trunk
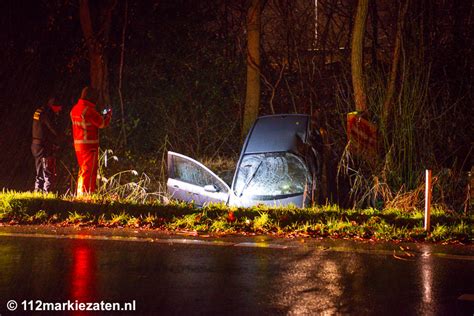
357 55
252 100
388 104
96 47
374 21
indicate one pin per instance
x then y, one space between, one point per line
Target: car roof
277 133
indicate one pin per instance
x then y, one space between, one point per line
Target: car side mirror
211 188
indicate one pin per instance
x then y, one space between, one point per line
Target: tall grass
129 185
407 141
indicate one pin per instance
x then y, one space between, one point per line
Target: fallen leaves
405 254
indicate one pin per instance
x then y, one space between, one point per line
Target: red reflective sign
362 136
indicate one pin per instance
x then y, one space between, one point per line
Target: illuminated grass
262 222
134 222
119 219
319 221
221 226
75 218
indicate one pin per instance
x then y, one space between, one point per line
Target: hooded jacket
86 122
44 130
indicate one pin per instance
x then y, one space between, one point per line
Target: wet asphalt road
176 275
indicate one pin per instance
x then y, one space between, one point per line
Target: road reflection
425 267
315 283
83 274
232 278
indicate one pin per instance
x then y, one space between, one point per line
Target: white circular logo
12 305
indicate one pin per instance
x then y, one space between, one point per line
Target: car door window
189 172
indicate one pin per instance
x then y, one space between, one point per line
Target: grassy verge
320 221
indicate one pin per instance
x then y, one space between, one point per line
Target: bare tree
96 42
357 55
252 99
387 105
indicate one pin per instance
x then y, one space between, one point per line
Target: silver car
278 166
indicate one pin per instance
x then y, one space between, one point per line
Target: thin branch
122 57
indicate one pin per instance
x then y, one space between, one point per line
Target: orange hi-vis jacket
86 122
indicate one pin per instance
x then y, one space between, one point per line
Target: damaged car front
278 166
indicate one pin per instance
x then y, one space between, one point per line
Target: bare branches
122 57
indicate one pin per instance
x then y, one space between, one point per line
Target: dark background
184 81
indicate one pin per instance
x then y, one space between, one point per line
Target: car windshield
271 175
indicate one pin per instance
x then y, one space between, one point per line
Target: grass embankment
319 221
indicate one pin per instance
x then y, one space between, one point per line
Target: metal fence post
427 199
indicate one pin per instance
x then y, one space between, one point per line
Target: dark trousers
45 164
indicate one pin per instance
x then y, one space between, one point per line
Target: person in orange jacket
86 122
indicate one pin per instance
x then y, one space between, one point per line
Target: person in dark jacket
45 143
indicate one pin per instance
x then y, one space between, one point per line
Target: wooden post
427 199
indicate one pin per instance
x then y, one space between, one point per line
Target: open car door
191 181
